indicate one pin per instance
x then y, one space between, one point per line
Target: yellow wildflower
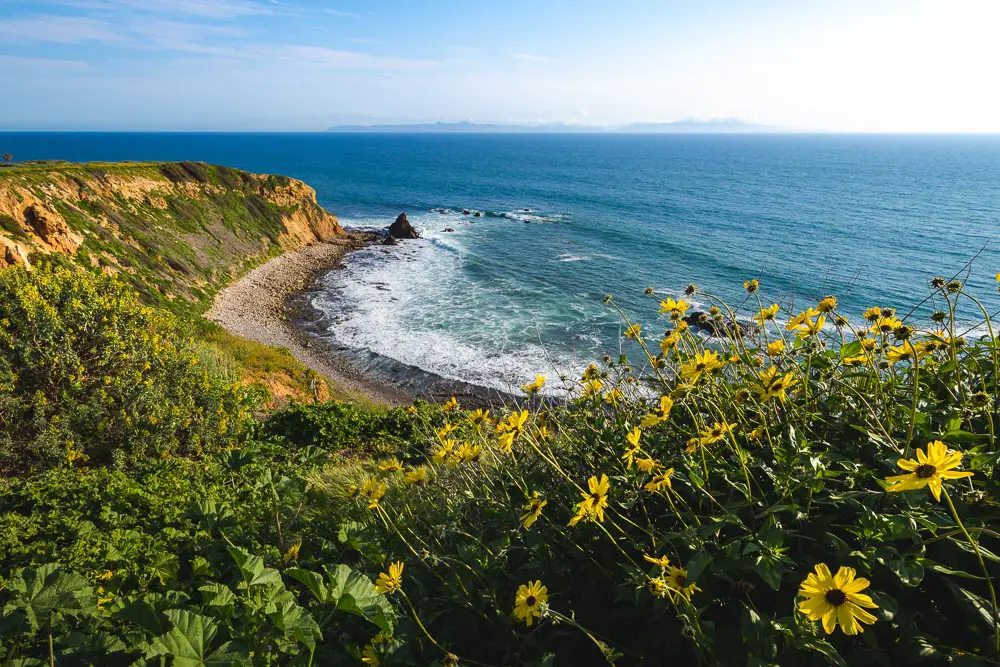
767 314
773 386
676 309
703 362
662 561
659 482
751 286
391 465
836 600
633 440
676 578
451 405
929 469
391 581
595 499
633 332
827 305
533 509
529 601
646 465
533 388
775 348
416 475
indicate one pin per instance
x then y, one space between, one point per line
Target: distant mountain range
689 126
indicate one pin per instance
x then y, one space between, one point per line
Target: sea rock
389 240
402 229
724 328
477 214
448 229
466 211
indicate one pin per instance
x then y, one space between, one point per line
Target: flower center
836 597
924 471
530 601
595 497
681 580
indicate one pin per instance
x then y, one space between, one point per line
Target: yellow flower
907 351
633 440
659 482
451 405
479 416
592 388
652 419
669 342
773 386
657 587
374 491
751 286
443 450
929 469
827 305
447 430
873 313
998 277
613 396
529 601
391 465
801 319
676 309
703 362
633 331
514 423
836 600
676 578
533 388
416 475
646 465
885 324
532 509
809 328
712 435
767 314
662 561
775 348
391 581
369 656
594 501
856 360
467 453
506 442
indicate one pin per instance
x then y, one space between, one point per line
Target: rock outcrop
723 328
402 229
173 229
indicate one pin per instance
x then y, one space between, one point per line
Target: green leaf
313 581
253 570
47 592
354 593
974 605
189 640
145 615
218 598
164 566
696 565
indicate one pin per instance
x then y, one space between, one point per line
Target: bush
680 509
89 375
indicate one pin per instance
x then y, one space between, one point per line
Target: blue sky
877 65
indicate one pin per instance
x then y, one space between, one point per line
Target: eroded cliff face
178 230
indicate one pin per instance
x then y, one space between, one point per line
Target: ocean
566 219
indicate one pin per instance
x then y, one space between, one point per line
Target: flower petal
830 620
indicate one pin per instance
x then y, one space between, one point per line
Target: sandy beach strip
256 307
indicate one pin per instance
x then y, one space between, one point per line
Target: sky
304 65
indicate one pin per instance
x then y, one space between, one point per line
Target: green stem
982 565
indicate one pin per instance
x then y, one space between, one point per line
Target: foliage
207 563
675 504
89 375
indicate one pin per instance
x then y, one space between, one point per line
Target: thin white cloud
17 63
318 56
529 58
211 9
56 29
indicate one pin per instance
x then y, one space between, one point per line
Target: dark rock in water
401 229
389 240
477 214
466 211
724 328
448 229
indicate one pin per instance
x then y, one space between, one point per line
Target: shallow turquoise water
567 219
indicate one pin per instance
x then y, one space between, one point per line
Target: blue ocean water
566 219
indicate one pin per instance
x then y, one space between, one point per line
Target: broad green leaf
47 592
313 581
189 641
696 565
253 570
164 566
219 598
354 593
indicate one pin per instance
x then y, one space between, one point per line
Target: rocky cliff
177 231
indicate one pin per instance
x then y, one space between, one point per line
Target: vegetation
8 158
822 486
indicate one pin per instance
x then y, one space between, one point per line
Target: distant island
687 126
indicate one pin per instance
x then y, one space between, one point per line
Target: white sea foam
411 303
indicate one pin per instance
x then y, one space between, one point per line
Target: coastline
256 307
271 305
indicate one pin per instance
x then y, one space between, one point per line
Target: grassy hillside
176 232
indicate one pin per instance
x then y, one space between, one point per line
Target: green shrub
344 426
675 508
89 375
